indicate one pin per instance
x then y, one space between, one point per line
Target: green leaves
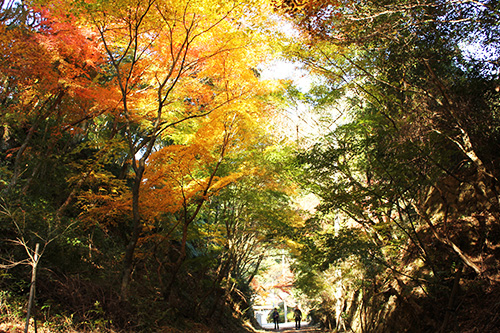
417 103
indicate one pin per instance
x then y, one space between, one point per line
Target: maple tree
172 63
139 107
251 215
120 120
48 74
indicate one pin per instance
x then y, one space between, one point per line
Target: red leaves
53 63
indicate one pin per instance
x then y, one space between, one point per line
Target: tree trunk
32 289
180 260
128 260
451 301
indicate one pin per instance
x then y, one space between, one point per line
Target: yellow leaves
173 176
182 174
179 58
220 183
182 72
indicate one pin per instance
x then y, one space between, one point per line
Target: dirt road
290 327
304 329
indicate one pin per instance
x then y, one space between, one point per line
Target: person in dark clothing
297 314
276 318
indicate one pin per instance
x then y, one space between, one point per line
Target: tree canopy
408 179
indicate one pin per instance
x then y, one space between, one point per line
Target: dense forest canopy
408 223
156 169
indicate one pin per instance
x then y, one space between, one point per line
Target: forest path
290 330
290 327
304 329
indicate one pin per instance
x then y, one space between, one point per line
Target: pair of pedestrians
297 314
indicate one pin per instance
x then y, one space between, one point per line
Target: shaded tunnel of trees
156 166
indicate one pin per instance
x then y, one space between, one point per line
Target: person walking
276 318
297 314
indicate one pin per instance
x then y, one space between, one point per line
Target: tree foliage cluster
135 150
406 237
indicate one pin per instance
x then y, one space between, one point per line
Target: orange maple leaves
175 78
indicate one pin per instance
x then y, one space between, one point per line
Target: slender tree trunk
17 161
453 296
189 219
32 289
256 270
128 260
178 263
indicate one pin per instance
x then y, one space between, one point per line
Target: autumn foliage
120 121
